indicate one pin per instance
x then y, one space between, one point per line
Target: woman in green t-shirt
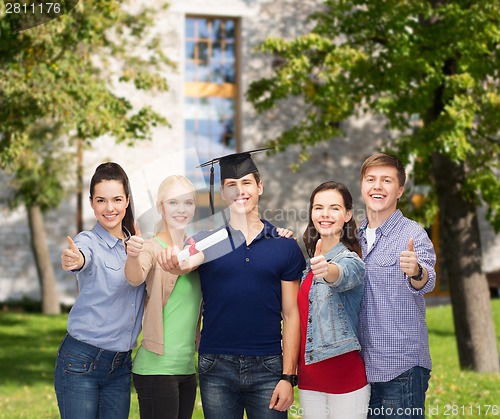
164 366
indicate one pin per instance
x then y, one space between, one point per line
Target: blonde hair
168 183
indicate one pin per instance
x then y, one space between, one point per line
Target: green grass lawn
29 342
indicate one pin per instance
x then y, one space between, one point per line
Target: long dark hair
349 232
113 171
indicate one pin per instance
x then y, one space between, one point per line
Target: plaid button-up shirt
393 332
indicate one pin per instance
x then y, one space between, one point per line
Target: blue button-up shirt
393 332
108 310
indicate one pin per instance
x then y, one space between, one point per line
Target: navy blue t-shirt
241 288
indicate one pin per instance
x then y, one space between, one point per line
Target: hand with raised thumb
71 258
137 230
319 246
408 259
135 243
319 265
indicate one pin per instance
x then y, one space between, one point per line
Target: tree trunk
79 185
461 252
50 299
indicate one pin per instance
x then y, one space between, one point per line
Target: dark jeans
403 397
230 384
91 382
165 396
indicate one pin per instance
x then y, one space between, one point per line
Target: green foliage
431 68
449 386
62 81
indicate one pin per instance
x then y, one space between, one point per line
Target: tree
58 88
436 62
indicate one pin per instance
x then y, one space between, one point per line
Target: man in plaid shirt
400 259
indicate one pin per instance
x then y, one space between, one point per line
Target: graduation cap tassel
212 189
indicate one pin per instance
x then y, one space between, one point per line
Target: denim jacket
332 327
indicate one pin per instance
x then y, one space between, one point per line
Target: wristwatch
420 274
293 379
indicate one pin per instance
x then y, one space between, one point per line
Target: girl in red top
332 379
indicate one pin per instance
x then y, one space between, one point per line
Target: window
211 92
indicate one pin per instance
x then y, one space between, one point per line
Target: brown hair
113 171
349 232
256 176
380 159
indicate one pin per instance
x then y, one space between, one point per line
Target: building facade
213 43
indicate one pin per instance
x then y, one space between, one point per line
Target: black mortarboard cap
232 166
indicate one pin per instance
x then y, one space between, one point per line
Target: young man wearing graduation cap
247 360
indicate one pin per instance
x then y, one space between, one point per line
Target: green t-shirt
180 318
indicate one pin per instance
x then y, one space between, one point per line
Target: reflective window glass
210 91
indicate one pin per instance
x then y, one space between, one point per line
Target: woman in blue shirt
92 376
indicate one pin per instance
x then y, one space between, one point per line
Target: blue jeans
230 384
403 397
92 383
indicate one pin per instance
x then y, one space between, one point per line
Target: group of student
348 326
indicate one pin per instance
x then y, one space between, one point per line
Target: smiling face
178 206
242 195
329 214
380 190
110 203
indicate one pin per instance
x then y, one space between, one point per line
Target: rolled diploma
204 244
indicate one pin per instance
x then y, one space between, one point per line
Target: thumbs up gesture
135 243
319 265
408 260
71 258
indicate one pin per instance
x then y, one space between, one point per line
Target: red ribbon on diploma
192 249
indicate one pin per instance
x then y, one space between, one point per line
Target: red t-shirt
337 375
